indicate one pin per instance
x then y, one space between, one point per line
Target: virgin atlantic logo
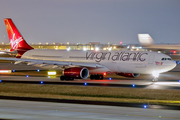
14 42
121 56
158 63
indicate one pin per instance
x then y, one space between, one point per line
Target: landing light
51 72
68 49
2 52
5 71
155 74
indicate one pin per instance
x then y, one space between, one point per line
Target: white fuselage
141 62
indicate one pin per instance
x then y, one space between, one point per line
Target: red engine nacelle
76 72
128 74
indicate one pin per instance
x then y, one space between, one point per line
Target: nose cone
173 65
170 65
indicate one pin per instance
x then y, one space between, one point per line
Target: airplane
77 64
148 43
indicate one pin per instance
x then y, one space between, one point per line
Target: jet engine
128 74
76 72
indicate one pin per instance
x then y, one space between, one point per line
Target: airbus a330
77 64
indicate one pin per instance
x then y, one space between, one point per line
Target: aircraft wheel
101 77
71 78
97 77
62 78
91 77
67 78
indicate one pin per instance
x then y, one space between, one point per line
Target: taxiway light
38 70
85 83
145 106
0 80
13 70
41 82
133 85
179 80
27 75
110 78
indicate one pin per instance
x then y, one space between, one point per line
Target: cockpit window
166 59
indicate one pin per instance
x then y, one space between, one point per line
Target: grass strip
109 94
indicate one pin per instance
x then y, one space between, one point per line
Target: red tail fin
15 38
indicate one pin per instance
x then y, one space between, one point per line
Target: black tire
97 77
101 77
67 78
71 79
62 78
91 77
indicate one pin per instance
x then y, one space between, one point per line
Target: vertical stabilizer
145 39
15 38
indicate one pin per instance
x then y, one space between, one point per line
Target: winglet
15 38
145 39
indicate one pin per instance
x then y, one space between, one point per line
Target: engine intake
76 72
128 74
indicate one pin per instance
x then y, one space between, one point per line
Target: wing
56 64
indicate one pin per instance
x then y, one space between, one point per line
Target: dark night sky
84 21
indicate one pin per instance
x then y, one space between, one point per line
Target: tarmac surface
28 110
33 110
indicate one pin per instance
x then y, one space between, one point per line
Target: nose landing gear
155 79
155 76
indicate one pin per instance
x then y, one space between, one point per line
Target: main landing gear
93 76
97 77
66 78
